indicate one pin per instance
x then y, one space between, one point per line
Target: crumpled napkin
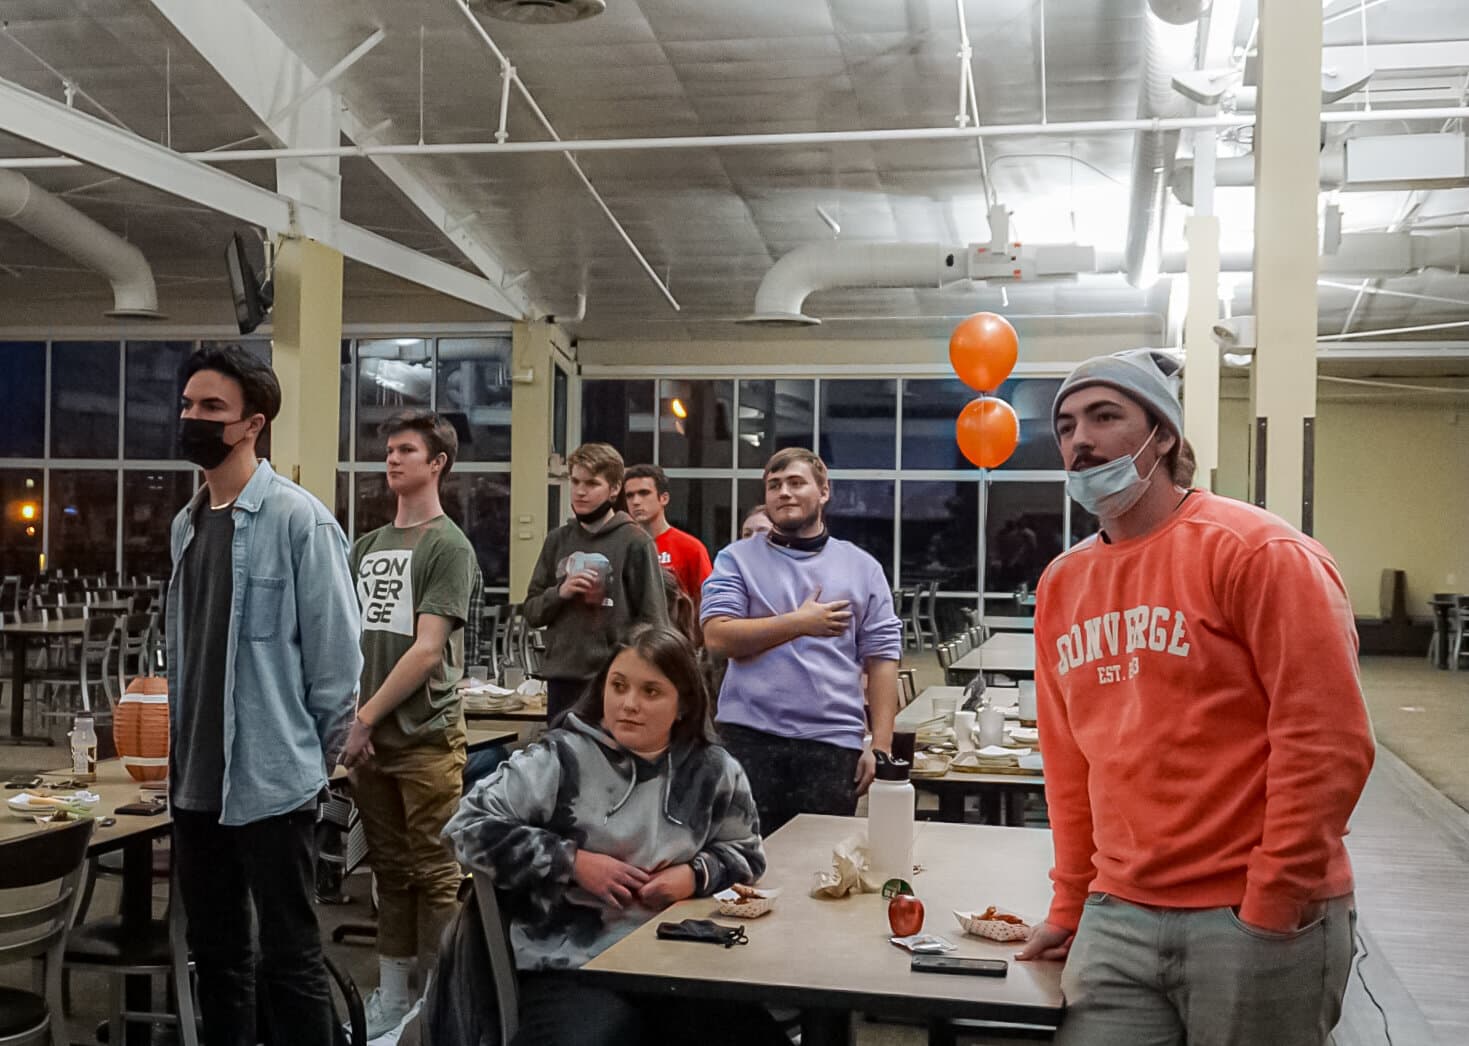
849 873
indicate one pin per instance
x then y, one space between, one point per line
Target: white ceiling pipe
1240 171
823 266
1170 49
1363 254
1179 12
62 226
1054 129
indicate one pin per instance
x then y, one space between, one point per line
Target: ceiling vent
543 12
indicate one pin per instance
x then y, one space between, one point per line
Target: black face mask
788 539
596 515
202 442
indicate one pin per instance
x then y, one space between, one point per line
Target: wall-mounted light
679 410
28 511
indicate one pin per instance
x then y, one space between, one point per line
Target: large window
152 408
859 423
774 415
101 496
150 500
474 395
393 375
900 488
82 517
695 421
84 390
23 503
619 413
23 399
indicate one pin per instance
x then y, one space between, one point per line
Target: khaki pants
1141 976
405 799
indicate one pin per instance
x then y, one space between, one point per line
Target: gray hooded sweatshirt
577 788
579 635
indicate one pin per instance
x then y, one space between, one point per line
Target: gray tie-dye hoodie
577 788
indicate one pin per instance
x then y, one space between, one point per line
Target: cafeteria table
20 636
1009 653
830 958
133 835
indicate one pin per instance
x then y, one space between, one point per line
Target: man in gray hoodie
597 576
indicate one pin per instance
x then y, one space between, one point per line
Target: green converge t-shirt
401 573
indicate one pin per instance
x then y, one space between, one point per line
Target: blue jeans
1142 976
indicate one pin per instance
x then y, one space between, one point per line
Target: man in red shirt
1205 743
681 554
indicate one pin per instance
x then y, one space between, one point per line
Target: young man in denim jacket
263 657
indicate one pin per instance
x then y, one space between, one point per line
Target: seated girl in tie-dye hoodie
630 805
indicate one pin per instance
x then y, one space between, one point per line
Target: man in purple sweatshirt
801 616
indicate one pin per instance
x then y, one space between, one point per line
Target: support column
1201 370
1287 150
531 419
307 358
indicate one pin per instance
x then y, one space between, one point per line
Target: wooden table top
836 953
71 626
116 788
486 737
1001 652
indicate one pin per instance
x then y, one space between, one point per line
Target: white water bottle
890 803
83 739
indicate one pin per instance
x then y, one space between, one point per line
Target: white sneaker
383 1016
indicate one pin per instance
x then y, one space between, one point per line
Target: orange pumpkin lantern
140 728
983 350
988 431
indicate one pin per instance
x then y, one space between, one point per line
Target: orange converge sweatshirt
1203 726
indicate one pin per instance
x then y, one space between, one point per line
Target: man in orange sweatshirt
1205 742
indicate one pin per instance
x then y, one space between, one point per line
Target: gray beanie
1149 376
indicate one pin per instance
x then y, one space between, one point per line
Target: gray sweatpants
1140 976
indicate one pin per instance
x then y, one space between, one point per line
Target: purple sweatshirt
811 687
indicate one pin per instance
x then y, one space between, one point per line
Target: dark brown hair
260 390
1184 464
681 610
653 472
671 653
438 435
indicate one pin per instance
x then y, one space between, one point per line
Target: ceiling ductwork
542 12
825 266
1365 255
60 225
1171 41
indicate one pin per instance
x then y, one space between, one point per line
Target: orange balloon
982 351
988 431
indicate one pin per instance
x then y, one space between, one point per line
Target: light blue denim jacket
293 656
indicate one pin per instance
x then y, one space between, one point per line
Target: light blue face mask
1110 489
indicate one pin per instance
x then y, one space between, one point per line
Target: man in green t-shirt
406 746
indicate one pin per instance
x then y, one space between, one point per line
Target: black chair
56 857
502 957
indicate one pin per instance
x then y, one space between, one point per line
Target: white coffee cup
945 706
964 731
512 677
991 726
1027 701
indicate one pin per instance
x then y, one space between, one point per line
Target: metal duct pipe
60 225
1378 255
822 266
1180 12
1240 171
1169 50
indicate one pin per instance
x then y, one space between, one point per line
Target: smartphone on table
956 964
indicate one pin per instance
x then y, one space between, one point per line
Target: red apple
905 915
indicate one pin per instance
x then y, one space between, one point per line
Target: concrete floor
1410 847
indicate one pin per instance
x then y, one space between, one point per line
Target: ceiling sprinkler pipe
60 225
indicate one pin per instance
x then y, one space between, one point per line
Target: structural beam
271 79
1283 379
35 118
306 339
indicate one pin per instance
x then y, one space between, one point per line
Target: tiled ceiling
711 222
